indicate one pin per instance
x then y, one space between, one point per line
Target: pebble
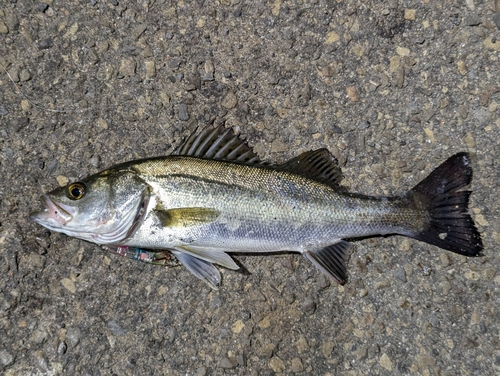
385 362
69 285
352 93
61 348
410 14
116 328
45 43
6 358
183 112
308 306
73 335
230 100
127 67
150 69
4 29
61 180
3 110
276 364
400 274
267 351
237 327
228 362
297 365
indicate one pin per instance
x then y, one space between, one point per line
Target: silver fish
213 196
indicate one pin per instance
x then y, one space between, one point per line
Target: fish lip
52 211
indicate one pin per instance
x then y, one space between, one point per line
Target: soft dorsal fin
318 165
218 143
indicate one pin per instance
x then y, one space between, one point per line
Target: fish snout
53 212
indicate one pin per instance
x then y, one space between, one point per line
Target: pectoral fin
201 269
213 255
331 260
186 217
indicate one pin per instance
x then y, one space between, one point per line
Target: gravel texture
390 87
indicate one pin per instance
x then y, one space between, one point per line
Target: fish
214 197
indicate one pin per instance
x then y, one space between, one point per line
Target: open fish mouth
53 213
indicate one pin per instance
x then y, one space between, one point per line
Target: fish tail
448 224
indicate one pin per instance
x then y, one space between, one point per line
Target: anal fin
201 269
331 260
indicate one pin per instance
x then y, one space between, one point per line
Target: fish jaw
54 215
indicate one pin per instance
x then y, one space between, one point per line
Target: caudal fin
450 226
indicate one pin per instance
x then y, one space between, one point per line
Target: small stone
6 358
400 274
332 37
385 362
237 327
297 365
137 31
492 44
150 69
402 51
472 20
45 43
308 306
116 328
462 67
73 335
62 180
278 146
496 20
276 364
42 7
24 75
209 66
267 351
327 349
302 345
230 100
127 67
68 284
4 29
384 283
361 352
61 349
228 362
352 93
410 14
183 112
469 140
3 110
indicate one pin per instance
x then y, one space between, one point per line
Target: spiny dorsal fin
186 217
318 165
218 143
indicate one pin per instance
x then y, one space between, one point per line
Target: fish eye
76 191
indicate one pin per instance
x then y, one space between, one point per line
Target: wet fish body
214 197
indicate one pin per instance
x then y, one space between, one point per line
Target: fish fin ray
201 269
212 255
186 217
450 226
217 142
331 260
318 165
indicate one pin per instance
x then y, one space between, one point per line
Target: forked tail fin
450 226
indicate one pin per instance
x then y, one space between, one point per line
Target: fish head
105 208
